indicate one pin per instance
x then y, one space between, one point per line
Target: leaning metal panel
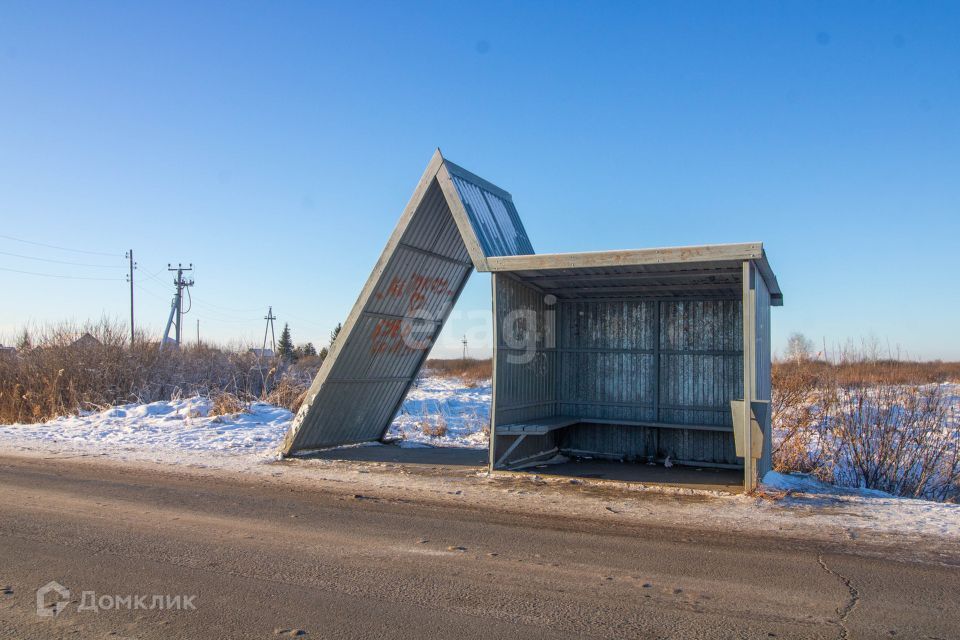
400 313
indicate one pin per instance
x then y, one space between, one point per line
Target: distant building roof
86 340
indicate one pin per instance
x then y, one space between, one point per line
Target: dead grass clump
434 426
289 392
471 371
225 403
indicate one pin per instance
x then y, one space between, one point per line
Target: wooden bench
543 426
539 427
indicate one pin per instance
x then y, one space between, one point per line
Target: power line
206 315
203 303
54 275
219 307
76 264
59 248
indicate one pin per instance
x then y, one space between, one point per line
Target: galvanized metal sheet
494 219
404 305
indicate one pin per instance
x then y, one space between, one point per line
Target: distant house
7 352
262 353
85 341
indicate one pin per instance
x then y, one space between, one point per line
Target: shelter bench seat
544 426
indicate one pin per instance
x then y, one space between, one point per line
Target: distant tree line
288 352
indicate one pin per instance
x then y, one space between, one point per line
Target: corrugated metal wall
701 361
526 387
494 219
525 380
677 362
607 365
763 370
609 369
403 306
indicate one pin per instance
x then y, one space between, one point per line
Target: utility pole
464 342
176 306
133 265
198 332
269 328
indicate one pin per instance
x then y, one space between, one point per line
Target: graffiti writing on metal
394 335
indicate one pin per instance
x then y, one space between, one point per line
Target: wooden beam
670 255
665 289
734 272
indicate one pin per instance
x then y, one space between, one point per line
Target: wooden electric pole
133 265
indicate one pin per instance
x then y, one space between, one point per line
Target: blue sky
274 145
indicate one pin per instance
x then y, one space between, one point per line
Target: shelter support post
495 365
746 432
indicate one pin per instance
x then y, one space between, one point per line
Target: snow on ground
444 404
871 509
174 431
182 432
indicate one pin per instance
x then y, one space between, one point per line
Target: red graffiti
395 335
417 288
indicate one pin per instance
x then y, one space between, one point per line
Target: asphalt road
269 560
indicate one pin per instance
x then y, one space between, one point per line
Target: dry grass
289 392
884 425
53 375
225 404
472 372
434 425
857 370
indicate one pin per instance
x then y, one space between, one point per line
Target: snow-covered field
182 432
174 431
444 402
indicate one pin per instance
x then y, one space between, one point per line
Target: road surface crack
850 605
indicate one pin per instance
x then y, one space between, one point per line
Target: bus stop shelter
637 356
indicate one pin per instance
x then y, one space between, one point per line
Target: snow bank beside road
184 432
865 508
175 431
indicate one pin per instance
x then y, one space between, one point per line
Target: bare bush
434 426
62 369
885 425
289 392
896 439
225 404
